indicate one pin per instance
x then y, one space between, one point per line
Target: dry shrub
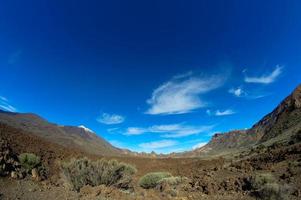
172 181
81 172
266 187
152 179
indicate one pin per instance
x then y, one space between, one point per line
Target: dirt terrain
216 178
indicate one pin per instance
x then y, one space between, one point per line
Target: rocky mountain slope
283 122
68 136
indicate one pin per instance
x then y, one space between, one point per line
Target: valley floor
208 179
212 178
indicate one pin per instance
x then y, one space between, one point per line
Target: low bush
261 179
81 172
296 138
29 161
151 180
172 181
266 187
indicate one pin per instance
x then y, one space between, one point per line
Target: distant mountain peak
75 137
85 128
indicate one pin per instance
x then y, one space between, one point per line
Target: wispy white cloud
3 98
251 94
135 131
182 94
169 130
106 118
225 112
5 105
8 108
238 92
158 144
187 131
199 145
266 78
220 113
112 130
257 96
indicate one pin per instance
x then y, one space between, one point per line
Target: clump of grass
29 161
266 187
172 181
262 179
296 138
151 180
81 172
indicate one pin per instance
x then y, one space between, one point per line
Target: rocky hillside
80 137
286 115
282 122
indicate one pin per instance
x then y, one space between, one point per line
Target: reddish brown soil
208 179
50 153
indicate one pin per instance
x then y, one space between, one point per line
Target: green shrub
296 137
151 180
262 179
274 191
267 187
173 180
29 161
270 191
81 172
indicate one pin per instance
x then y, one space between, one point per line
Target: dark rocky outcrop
287 115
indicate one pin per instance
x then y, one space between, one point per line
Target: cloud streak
169 130
3 98
181 94
265 79
135 131
158 144
225 112
109 119
221 113
5 105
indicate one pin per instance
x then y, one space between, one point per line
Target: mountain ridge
67 136
287 114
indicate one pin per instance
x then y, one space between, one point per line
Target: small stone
20 175
14 175
35 174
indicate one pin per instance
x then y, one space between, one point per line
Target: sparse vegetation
262 179
81 172
29 161
173 180
267 187
296 137
151 180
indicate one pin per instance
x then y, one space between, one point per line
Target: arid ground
205 178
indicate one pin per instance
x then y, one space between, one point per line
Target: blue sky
149 75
